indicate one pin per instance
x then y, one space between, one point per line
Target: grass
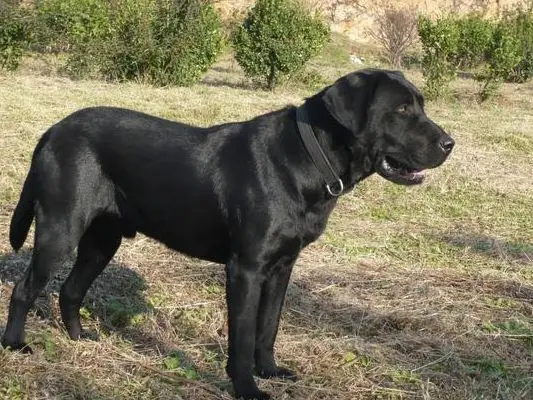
412 293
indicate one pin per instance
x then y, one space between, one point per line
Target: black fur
243 194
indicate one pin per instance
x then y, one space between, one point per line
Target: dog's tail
25 209
23 215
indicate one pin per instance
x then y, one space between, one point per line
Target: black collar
334 184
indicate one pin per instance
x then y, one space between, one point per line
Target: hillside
355 17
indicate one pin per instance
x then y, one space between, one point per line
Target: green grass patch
336 51
177 363
513 328
512 141
122 312
11 388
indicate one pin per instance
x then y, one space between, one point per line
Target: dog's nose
447 145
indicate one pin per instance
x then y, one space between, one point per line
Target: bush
14 35
188 38
161 42
395 31
474 39
520 22
60 24
439 43
500 50
276 39
127 52
503 55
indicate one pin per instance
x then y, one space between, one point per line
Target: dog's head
388 111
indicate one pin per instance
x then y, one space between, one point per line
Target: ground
412 293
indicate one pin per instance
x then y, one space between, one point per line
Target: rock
356 60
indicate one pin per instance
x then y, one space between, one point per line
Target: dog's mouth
398 172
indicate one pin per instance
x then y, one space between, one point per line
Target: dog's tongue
414 174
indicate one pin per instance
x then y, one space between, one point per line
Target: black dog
250 195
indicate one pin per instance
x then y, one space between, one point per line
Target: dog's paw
20 347
253 395
277 372
246 389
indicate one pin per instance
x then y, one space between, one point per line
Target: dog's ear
349 98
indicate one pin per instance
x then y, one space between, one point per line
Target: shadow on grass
414 338
116 296
410 341
220 82
223 69
115 301
491 247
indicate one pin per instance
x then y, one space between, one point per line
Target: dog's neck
344 149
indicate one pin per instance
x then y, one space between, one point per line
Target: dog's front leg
271 303
243 291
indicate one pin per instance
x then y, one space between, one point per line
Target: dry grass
412 293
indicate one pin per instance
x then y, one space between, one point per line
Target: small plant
14 35
276 39
214 288
514 328
395 31
10 388
121 313
439 42
488 367
176 363
85 313
401 376
349 357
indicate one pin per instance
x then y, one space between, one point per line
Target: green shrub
500 50
60 24
188 38
127 52
474 39
162 42
276 39
520 22
14 35
439 43
503 55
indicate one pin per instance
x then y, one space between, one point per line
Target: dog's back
154 175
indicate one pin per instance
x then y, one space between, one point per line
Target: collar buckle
335 193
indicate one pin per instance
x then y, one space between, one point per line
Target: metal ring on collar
336 193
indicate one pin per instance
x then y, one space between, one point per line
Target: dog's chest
314 222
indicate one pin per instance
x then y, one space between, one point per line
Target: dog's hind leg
97 247
55 239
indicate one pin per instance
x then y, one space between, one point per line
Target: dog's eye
403 109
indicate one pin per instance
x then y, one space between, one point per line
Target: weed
176 363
